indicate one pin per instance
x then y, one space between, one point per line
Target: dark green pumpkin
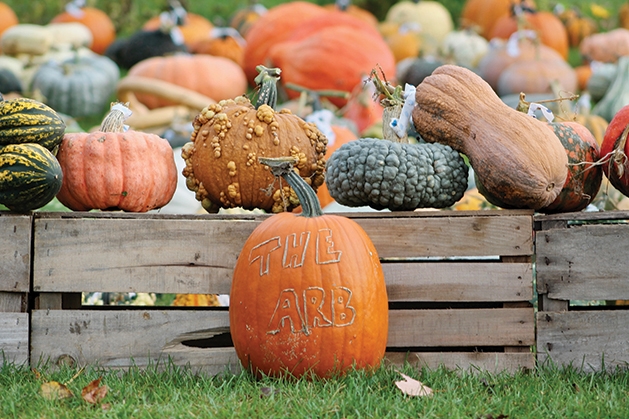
30 176
25 120
584 176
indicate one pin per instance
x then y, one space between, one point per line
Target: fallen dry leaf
412 387
93 392
54 390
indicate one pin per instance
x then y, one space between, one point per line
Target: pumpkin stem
267 82
283 166
393 102
114 120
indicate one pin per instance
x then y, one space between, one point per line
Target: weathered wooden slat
587 262
14 336
478 281
16 302
462 327
15 257
121 337
591 340
493 362
198 256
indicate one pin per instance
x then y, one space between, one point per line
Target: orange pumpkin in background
8 17
194 29
549 28
481 15
308 295
191 71
272 27
97 21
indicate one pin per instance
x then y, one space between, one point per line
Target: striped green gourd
30 176
25 120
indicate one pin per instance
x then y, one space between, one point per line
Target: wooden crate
15 270
459 286
582 257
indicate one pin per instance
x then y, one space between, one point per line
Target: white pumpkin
26 38
433 18
464 47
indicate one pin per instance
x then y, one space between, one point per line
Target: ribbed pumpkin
273 27
30 176
97 21
216 77
361 51
308 294
24 120
615 151
515 156
113 169
221 159
80 86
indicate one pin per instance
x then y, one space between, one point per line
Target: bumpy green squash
25 120
30 176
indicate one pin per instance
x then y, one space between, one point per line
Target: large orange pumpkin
308 294
216 77
113 169
313 62
97 21
272 27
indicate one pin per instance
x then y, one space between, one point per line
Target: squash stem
267 82
283 166
392 103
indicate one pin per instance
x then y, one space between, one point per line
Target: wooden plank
591 340
16 302
587 262
137 255
451 236
14 335
122 338
493 362
461 327
15 259
582 216
459 281
190 255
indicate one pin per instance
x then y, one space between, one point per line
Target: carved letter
325 248
263 251
314 299
287 310
343 313
295 259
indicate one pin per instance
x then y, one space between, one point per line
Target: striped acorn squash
25 120
30 176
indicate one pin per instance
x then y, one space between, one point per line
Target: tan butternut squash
514 155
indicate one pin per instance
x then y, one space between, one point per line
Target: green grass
178 393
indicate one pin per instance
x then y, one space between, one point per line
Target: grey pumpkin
78 87
393 173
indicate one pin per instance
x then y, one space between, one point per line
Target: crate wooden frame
459 283
582 257
15 271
